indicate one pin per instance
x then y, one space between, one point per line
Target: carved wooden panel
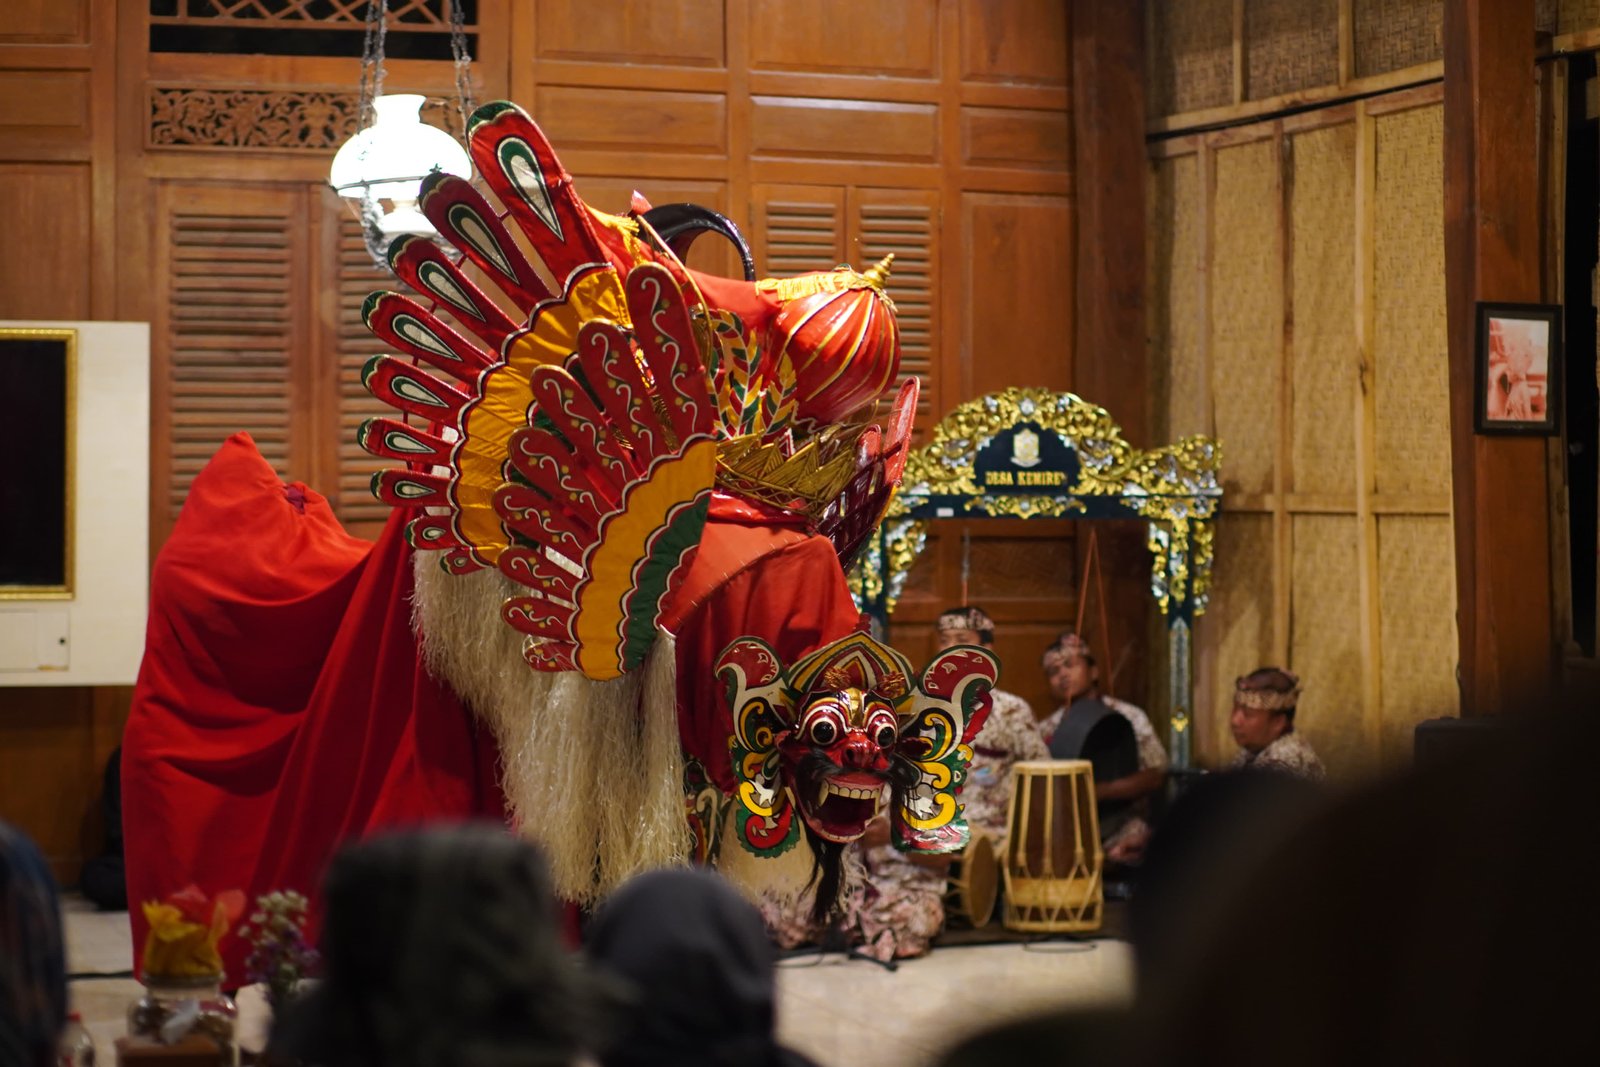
1018 41
254 12
679 32
43 107
1017 286
790 126
45 21
896 37
187 117
226 332
1015 137
47 206
637 120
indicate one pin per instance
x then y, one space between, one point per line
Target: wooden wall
839 131
58 206
186 189
1297 312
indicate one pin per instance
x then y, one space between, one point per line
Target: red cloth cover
758 572
281 707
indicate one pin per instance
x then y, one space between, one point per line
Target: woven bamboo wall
1322 239
1177 314
1215 61
1191 55
1573 16
1321 251
1413 454
1236 630
1416 568
1324 644
1246 313
1290 45
1395 34
1546 15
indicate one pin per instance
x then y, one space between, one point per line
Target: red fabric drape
281 707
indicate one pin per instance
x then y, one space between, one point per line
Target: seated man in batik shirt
1263 726
1072 671
1010 733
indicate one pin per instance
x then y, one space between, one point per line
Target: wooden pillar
1110 168
1492 250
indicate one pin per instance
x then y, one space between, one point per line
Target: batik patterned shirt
1289 754
1008 735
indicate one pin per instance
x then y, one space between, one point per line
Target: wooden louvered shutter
226 330
905 222
798 228
356 276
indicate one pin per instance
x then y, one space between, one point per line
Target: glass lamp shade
405 218
389 159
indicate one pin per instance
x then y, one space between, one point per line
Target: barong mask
832 739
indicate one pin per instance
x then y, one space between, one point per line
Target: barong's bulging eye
882 726
823 732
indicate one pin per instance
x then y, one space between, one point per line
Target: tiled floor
842 1012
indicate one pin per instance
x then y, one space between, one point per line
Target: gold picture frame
16 338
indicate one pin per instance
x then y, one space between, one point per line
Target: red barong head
838 329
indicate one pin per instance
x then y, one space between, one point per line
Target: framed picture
38 378
1518 358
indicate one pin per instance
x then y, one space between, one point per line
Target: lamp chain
372 49
372 75
458 49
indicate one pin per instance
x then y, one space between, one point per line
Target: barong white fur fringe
592 771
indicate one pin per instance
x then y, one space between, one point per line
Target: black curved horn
679 224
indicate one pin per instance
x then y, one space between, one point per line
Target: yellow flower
184 932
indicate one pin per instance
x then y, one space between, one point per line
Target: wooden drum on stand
1053 860
974 883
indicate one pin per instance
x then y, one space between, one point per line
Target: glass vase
191 1005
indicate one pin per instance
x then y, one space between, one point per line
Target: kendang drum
974 884
1053 861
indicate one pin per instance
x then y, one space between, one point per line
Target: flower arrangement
279 955
185 929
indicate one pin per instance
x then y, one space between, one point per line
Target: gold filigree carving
881 571
808 482
1174 487
1024 506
